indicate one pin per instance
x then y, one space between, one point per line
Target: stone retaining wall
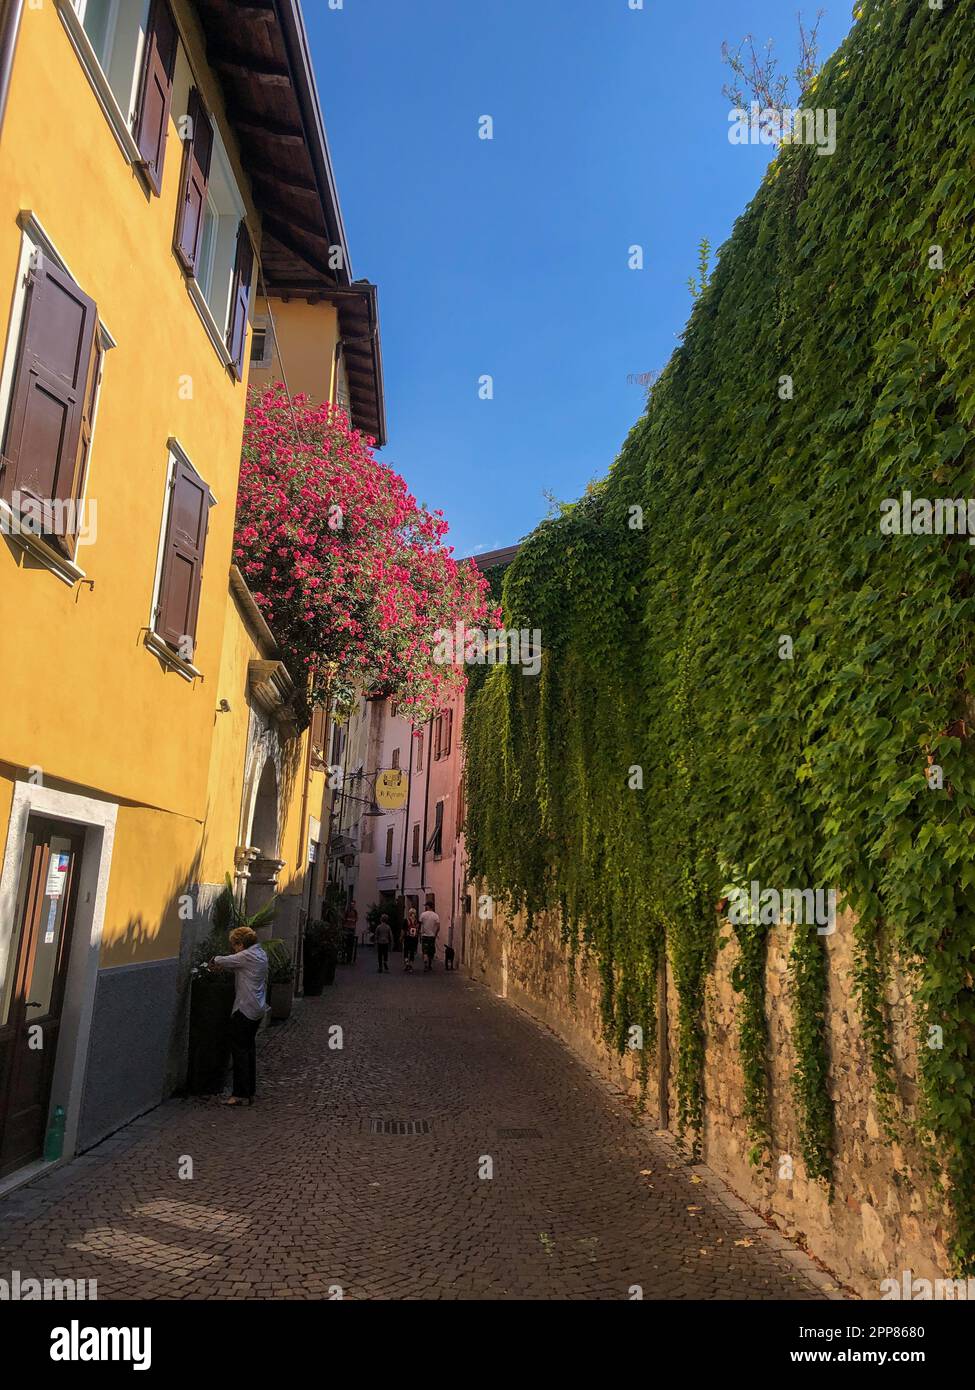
885 1215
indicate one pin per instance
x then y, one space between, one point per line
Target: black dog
448 957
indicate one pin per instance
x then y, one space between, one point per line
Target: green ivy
760 519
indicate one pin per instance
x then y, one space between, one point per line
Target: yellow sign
392 785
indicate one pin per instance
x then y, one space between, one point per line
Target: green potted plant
280 980
212 995
321 955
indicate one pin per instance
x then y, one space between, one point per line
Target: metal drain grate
399 1126
519 1134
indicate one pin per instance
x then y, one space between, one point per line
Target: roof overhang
260 51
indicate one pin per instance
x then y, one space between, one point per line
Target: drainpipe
406 828
426 808
333 384
9 30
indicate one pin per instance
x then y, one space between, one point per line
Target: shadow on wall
137 1048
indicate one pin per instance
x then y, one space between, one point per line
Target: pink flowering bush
350 572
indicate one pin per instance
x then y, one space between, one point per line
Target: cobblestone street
299 1194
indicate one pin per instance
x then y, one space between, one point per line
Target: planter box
281 997
211 1005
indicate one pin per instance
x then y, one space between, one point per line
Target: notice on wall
57 875
52 918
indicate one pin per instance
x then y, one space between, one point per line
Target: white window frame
71 14
200 286
34 238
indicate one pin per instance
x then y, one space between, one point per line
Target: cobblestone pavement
298 1194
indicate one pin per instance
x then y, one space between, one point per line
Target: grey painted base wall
129 1048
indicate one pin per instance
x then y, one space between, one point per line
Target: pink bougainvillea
350 572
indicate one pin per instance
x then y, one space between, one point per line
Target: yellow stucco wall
226 773
306 335
154 865
85 698
226 790
80 695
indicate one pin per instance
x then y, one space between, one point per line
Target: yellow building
139 216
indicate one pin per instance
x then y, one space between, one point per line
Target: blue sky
509 257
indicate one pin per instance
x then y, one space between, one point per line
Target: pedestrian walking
411 939
429 931
249 966
384 935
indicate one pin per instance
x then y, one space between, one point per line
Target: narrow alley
305 1196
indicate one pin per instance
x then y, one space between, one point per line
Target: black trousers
383 954
243 1048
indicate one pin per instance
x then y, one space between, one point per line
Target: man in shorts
429 931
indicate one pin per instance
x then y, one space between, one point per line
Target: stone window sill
209 322
166 654
38 549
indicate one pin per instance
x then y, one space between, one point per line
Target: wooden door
32 994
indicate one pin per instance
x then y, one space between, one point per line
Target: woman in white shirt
249 965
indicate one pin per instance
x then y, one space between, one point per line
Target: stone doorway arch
263 840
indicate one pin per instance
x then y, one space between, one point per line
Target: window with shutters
437 737
448 731
317 736
179 571
415 852
116 31
389 845
211 241
49 390
419 751
435 842
395 760
262 345
129 50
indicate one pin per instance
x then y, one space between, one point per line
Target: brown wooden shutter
66 536
48 407
156 91
240 300
197 154
316 735
182 567
448 731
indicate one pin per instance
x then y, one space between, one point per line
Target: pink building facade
406 855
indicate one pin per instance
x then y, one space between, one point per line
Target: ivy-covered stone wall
750 676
